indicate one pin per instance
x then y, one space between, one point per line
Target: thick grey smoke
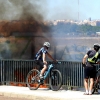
29 14
29 22
20 9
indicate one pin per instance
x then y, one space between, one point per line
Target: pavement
45 94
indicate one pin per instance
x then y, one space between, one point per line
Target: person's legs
43 67
92 77
43 70
91 85
86 85
86 77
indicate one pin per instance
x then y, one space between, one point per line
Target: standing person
89 68
40 58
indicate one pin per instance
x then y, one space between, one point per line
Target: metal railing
15 71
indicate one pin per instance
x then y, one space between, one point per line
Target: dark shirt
92 53
39 54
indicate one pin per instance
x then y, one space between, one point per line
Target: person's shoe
90 93
86 93
41 81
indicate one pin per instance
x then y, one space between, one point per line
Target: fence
15 71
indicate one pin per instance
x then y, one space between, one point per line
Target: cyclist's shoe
41 81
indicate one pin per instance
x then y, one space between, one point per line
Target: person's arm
51 57
84 59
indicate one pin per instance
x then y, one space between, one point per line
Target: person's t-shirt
92 53
39 54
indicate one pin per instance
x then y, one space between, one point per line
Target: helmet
96 46
47 44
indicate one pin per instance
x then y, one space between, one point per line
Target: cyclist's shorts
89 72
40 63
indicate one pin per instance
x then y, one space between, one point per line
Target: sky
73 9
50 9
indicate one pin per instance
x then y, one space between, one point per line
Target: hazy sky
50 9
73 9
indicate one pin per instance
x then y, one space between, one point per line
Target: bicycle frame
48 71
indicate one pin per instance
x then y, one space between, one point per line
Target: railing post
2 72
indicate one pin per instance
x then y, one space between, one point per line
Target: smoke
24 18
20 10
28 14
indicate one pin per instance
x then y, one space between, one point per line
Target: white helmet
47 44
96 46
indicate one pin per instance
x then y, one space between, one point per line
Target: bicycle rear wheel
96 87
55 80
32 79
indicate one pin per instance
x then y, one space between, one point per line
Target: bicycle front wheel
32 79
55 80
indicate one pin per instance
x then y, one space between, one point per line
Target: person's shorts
89 72
40 63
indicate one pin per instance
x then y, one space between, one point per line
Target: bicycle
55 78
96 86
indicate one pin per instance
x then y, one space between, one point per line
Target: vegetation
74 29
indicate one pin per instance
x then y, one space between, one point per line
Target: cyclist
40 58
89 68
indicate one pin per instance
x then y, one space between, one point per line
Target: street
23 93
11 98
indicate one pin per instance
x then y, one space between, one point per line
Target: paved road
11 98
43 94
